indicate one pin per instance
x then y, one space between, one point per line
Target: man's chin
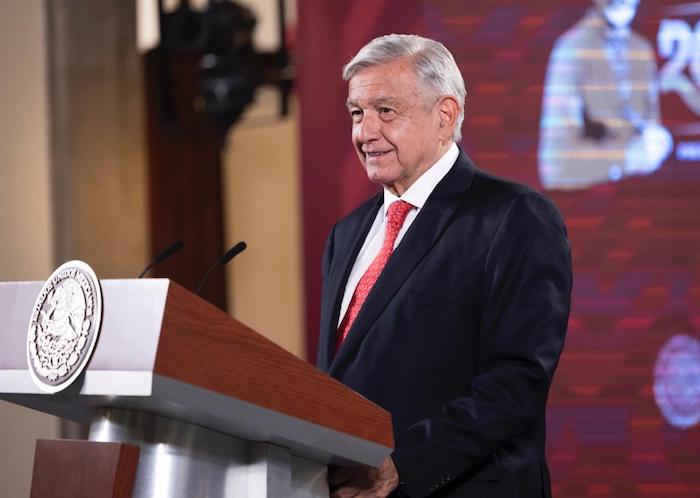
379 175
389 183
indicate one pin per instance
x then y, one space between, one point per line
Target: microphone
163 255
222 260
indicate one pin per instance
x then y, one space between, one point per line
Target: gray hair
432 62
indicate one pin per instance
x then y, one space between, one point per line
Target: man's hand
364 482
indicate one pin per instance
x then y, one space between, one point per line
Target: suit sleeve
526 300
325 270
327 255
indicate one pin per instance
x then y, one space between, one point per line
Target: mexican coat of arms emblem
64 326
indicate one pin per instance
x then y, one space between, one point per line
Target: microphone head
169 251
233 252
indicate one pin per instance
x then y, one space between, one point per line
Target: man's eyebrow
375 102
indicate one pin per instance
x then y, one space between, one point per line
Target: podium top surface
166 351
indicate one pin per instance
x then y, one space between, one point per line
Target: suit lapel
347 246
419 239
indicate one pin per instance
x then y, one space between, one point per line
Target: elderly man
446 296
600 111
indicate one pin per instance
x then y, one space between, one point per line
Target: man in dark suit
446 297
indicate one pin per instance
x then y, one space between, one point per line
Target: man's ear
448 107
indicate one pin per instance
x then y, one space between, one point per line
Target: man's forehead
384 73
384 83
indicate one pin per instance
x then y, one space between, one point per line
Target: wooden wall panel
184 162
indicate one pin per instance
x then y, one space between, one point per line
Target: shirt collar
418 193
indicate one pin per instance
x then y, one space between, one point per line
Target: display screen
597 104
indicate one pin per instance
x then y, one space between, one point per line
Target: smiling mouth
376 154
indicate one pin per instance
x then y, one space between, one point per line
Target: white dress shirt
416 195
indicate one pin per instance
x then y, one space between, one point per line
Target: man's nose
368 128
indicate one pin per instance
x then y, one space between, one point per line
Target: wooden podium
212 408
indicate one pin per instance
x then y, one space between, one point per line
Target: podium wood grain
262 372
65 468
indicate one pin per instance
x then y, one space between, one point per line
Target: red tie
395 218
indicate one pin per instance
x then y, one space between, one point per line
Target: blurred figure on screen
600 112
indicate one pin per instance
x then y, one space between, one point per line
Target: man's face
396 126
618 13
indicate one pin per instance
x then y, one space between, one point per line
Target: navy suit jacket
460 335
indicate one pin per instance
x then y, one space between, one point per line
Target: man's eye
386 113
356 114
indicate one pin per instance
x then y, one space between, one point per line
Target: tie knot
398 210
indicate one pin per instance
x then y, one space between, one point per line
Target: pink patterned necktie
395 218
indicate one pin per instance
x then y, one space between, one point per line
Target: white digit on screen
695 55
677 42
